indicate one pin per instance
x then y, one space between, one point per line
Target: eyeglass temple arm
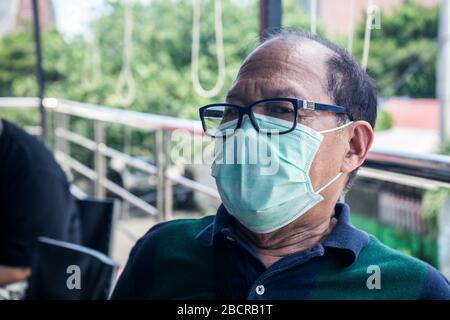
321 106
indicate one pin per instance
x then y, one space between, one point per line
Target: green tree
161 62
403 52
16 65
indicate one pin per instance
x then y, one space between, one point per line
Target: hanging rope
126 86
91 74
351 27
196 49
372 14
313 15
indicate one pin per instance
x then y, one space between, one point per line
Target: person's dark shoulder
175 234
26 153
403 275
436 286
161 243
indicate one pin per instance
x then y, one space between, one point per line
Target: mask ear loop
336 129
340 173
329 183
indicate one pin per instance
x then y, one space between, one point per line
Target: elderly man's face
281 69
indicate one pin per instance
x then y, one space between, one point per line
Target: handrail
13 102
134 119
134 162
427 166
111 186
100 115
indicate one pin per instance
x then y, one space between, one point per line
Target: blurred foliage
161 61
384 121
432 202
444 148
296 16
421 246
16 65
161 56
403 52
402 57
162 53
160 64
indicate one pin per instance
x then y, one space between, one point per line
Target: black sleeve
41 207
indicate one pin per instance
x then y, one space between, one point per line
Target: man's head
307 67
301 65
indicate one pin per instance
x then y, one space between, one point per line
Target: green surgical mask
267 195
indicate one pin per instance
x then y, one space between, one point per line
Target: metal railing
158 125
420 171
426 171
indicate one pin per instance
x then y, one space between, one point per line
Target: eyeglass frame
297 104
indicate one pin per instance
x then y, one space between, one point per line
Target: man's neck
298 236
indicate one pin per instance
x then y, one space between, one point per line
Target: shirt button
260 290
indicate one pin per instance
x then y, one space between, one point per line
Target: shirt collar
345 239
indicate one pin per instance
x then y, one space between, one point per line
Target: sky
72 17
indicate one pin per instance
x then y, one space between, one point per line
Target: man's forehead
284 69
288 56
265 88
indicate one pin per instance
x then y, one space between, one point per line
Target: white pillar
444 238
443 69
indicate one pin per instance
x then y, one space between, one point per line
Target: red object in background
414 113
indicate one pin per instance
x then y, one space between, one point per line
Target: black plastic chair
97 222
66 271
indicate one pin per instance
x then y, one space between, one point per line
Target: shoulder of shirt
165 247
179 233
435 286
378 253
396 265
29 151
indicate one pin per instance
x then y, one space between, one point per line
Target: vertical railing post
444 238
99 159
160 175
62 146
164 185
168 200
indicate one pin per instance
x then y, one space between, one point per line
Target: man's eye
280 110
230 113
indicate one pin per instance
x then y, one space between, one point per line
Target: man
34 201
283 235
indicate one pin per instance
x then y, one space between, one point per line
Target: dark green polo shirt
205 259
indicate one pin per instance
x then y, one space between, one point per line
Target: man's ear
359 142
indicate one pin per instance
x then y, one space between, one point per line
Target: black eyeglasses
223 119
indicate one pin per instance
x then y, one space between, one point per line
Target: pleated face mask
263 180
